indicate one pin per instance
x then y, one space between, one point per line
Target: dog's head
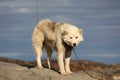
72 37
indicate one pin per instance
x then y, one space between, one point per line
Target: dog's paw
63 73
69 72
40 67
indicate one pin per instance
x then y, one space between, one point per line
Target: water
100 22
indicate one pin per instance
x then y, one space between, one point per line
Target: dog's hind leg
37 42
49 53
38 49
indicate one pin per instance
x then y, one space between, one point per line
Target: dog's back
45 30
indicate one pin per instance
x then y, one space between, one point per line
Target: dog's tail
33 39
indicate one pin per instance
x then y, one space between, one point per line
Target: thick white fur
61 37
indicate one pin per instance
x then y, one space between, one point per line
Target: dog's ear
65 33
81 31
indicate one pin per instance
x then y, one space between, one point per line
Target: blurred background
99 19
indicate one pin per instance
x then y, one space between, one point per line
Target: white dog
61 37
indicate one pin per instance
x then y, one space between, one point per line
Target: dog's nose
74 44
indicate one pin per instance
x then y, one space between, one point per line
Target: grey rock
9 71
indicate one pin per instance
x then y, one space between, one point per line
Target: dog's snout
74 44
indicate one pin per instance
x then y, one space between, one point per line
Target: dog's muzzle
74 44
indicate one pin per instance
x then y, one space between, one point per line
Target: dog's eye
76 37
70 37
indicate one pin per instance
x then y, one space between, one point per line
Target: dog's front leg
67 60
60 54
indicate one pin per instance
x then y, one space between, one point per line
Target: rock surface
11 71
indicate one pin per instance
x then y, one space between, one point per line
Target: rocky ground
11 69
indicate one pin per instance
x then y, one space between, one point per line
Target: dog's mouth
72 45
67 44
